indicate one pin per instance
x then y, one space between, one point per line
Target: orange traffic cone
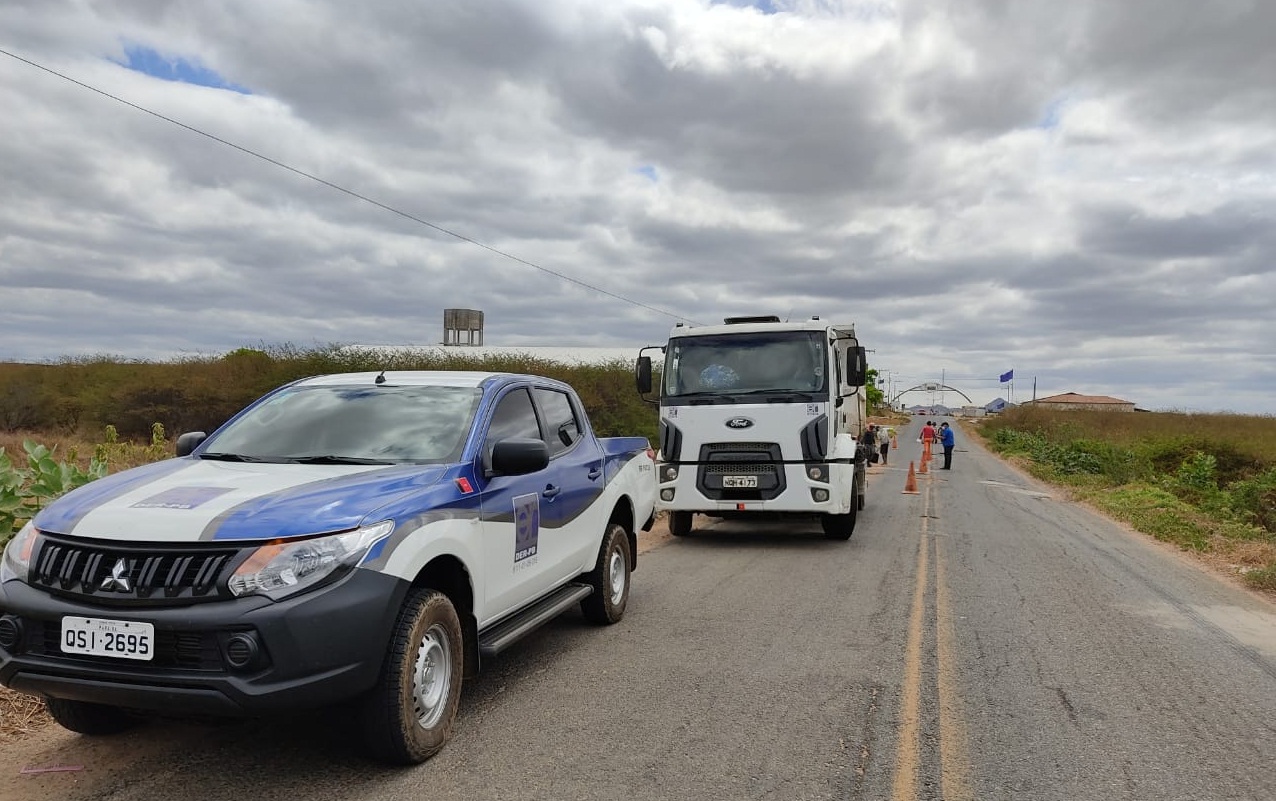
894 442
923 470
910 486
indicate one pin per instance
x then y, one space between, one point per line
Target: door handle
594 473
551 491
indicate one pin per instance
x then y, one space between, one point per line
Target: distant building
1072 400
997 406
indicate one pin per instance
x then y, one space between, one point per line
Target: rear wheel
82 717
408 716
680 523
609 578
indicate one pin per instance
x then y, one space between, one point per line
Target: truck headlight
280 569
668 472
17 556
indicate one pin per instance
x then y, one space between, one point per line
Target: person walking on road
948 440
883 443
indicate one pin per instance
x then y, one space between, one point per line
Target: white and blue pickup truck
358 539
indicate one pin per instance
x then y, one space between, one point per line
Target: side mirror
190 441
642 375
856 366
519 456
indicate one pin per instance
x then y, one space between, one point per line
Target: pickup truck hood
189 500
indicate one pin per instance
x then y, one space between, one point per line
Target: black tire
408 716
840 527
680 523
609 578
860 498
82 717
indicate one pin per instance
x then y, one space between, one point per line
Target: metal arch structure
931 387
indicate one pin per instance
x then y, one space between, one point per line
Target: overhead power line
350 192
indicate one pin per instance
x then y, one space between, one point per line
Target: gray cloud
1082 192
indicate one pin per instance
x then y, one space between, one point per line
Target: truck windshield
351 425
742 364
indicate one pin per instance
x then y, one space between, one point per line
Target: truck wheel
609 578
408 716
840 527
860 498
680 523
82 717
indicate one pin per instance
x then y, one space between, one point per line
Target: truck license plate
97 637
739 482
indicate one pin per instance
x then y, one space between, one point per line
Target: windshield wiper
333 459
786 393
231 457
705 394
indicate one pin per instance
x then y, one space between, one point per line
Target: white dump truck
760 417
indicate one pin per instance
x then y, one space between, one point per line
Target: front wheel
840 527
609 578
83 717
408 716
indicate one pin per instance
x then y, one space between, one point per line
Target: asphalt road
982 639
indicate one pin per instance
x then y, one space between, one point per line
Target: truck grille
142 574
760 459
740 469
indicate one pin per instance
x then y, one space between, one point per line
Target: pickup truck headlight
17 556
280 569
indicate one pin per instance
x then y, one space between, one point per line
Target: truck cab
760 417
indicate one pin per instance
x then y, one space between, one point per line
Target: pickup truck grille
180 650
149 574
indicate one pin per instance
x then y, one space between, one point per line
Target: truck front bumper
247 656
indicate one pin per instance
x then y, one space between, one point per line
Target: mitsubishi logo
118 580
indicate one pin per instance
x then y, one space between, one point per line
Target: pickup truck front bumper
242 657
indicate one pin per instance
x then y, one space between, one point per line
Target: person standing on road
928 433
948 440
870 442
883 443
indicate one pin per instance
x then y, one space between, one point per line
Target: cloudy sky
1081 192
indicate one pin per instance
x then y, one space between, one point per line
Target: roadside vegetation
1205 482
64 424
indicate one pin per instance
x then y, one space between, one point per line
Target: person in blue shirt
948 440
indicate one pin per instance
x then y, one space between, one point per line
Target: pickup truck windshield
746 364
352 425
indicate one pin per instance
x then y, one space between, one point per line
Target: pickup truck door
518 557
575 517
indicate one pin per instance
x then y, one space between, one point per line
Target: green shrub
23 491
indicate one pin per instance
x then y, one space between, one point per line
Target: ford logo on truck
739 422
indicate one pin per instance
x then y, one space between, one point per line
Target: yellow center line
954 765
908 748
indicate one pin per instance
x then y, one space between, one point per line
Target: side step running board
511 629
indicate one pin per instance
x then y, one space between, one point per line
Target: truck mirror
856 366
518 456
642 374
190 441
